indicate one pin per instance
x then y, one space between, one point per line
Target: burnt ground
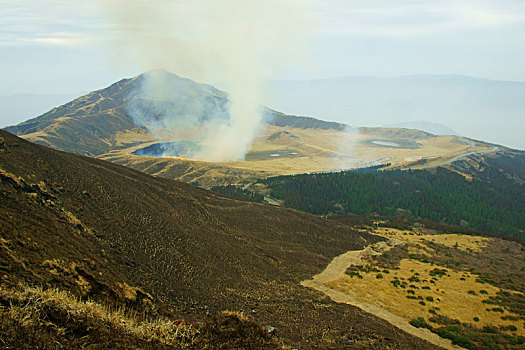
110 233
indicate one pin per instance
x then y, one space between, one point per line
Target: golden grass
321 149
27 306
455 294
452 240
240 315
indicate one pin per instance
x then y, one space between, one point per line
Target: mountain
433 128
134 121
483 109
100 121
119 237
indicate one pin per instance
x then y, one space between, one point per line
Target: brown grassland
469 289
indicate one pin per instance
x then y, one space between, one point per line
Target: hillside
118 236
491 199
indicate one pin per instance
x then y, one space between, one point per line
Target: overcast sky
58 47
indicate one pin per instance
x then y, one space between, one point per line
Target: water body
265 155
184 149
394 143
386 143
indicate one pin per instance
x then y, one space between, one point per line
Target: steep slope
108 232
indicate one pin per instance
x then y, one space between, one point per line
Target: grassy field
468 289
305 150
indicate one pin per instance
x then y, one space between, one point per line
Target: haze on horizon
66 47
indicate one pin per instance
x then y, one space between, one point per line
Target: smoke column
239 43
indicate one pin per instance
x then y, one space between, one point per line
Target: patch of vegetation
42 319
494 204
64 317
420 323
470 337
438 272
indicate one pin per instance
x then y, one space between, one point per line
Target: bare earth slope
108 232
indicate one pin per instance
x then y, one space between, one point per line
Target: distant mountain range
483 109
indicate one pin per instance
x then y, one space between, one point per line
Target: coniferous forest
494 203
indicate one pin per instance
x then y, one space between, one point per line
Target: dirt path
337 268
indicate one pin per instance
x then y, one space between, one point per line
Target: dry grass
451 240
449 293
29 306
240 315
454 293
318 150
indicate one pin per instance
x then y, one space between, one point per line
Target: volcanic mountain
96 123
102 124
109 233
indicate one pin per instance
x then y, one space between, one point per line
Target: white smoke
344 157
239 43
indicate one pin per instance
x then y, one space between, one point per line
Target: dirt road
337 268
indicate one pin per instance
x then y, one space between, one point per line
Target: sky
71 47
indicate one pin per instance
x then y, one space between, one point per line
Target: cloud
402 18
74 22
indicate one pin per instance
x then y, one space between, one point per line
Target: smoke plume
238 43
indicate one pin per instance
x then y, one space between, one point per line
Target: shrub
396 282
489 329
420 323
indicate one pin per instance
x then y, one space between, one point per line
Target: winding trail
337 269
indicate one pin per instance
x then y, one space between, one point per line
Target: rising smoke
239 43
